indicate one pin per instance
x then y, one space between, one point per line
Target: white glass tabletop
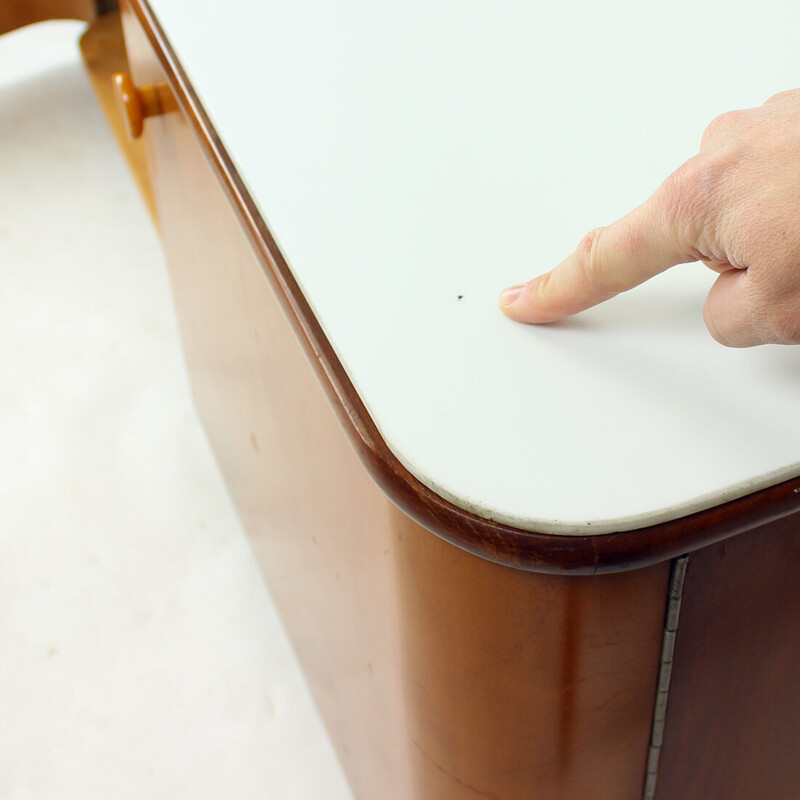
414 158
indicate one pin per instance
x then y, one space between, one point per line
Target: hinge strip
676 579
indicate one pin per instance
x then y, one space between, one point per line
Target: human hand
735 206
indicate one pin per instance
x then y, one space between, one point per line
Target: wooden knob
139 103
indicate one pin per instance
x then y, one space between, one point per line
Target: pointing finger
609 260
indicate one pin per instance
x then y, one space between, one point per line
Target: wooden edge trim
503 544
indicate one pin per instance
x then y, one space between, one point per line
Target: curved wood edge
19 13
503 544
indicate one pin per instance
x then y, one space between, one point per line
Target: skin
735 206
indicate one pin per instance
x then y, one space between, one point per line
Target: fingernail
508 296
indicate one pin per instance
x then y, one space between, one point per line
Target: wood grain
733 719
521 685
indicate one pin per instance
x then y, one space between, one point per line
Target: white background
140 653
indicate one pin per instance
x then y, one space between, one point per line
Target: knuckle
689 196
593 263
679 195
781 96
721 125
587 254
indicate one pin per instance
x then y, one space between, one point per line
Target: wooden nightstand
603 611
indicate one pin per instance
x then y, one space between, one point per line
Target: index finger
606 262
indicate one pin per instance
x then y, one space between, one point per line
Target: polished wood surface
522 685
733 719
103 51
18 13
498 542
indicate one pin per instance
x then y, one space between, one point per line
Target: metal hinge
676 578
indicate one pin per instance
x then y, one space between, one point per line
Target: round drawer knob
137 103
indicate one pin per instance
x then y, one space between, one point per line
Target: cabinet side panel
733 719
524 685
316 521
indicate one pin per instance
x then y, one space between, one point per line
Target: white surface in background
409 152
140 655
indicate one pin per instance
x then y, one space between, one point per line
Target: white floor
140 653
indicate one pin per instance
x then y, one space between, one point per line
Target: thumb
728 311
